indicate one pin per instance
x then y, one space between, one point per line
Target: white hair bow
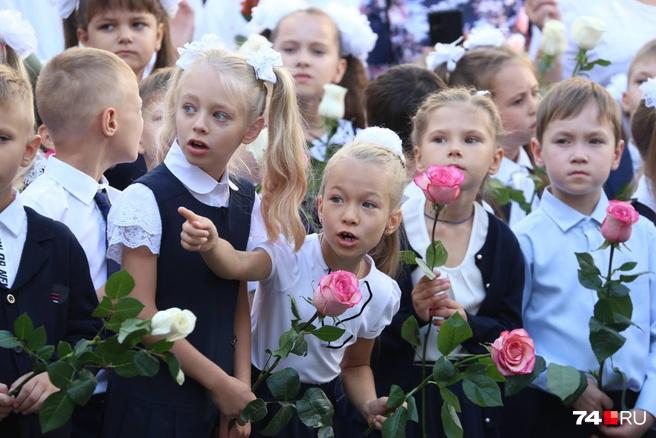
445 53
17 33
383 137
263 60
190 52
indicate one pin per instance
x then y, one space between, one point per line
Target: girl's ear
537 152
394 222
496 162
82 36
416 150
342 64
320 208
253 131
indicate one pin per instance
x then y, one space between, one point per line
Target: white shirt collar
193 177
13 217
645 194
509 167
74 181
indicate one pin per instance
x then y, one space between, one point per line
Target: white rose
554 40
332 103
587 31
172 323
180 378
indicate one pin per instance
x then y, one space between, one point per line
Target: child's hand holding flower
198 232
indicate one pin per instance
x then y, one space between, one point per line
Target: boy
89 100
578 141
43 269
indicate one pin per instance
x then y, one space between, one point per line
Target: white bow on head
17 33
263 60
445 53
383 137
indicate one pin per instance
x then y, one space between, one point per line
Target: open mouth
347 239
197 144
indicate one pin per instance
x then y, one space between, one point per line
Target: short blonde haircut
77 85
568 98
284 180
386 252
452 96
646 52
16 91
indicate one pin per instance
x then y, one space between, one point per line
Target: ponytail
284 182
355 81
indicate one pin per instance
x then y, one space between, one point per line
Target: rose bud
337 292
620 217
513 353
441 184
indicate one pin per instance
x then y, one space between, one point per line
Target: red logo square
611 418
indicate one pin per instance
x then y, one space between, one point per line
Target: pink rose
620 217
441 184
514 353
337 292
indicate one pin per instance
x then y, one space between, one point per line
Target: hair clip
17 33
445 53
190 52
482 93
484 36
383 137
170 7
263 60
648 89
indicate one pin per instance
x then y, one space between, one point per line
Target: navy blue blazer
53 286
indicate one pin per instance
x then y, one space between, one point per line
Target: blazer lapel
34 256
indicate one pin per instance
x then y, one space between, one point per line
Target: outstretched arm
200 235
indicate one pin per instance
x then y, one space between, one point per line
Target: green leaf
37 338
604 340
443 370
454 331
131 325
61 374
413 415
104 309
300 347
632 277
145 364
23 327
601 62
160 346
109 348
119 285
81 390
172 364
616 289
394 426
315 409
279 420
64 349
410 331
55 411
396 397
514 384
450 421
254 411
428 272
589 280
90 359
294 305
284 384
408 257
586 263
482 390
562 381
45 352
124 365
614 312
80 347
326 432
628 266
328 333
8 340
449 397
436 254
128 307
286 343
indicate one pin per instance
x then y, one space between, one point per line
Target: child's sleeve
382 311
134 221
285 268
647 398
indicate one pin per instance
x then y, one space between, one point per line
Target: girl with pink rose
457 138
359 208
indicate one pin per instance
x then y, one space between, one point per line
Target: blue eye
220 116
368 204
439 140
471 140
139 25
336 199
107 27
188 108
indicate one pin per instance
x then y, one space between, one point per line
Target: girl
484 274
643 130
359 209
152 90
510 79
215 102
320 47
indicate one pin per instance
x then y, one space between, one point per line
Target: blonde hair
76 85
284 180
386 252
568 98
648 50
451 96
643 130
8 56
15 90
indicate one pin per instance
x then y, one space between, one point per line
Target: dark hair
393 98
155 85
643 129
86 10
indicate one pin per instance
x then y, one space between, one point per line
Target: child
152 90
394 97
643 130
510 79
483 276
39 258
214 103
578 141
359 210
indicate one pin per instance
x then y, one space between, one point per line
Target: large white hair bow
17 33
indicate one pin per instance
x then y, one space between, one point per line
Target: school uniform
297 274
44 273
644 200
557 309
488 283
518 176
146 215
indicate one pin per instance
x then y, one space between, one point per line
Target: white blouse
345 133
645 194
134 219
466 280
517 176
